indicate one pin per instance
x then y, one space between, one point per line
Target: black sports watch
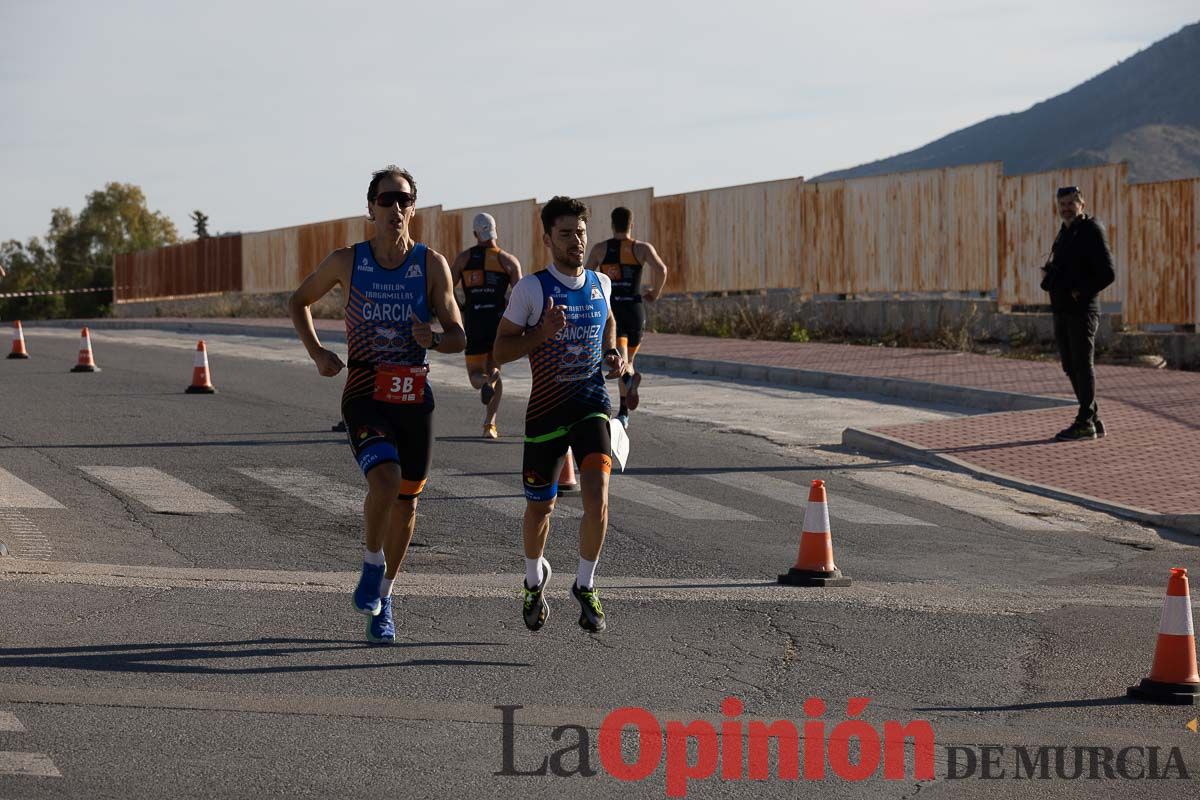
437 340
612 351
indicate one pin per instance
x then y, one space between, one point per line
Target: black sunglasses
1067 191
389 199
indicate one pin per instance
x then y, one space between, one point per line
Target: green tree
29 268
114 220
201 224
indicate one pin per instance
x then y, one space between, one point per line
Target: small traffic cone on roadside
201 382
567 483
1173 679
18 346
86 363
814 565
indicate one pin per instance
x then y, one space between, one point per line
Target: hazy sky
267 114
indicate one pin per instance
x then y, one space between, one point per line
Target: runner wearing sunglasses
485 272
391 285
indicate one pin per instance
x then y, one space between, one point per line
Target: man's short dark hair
562 206
622 217
1067 191
395 172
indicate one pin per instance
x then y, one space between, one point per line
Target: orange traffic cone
567 483
1173 679
18 348
201 382
86 362
814 564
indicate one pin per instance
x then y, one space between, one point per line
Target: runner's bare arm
613 357
648 257
443 305
513 341
512 266
333 271
456 269
595 256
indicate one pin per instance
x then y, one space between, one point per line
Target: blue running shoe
366 594
380 628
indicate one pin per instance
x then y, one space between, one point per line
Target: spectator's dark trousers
1076 337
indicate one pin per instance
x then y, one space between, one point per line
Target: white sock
375 558
586 574
534 572
385 587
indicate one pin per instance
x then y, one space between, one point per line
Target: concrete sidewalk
1144 470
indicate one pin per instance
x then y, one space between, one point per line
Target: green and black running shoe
1101 431
591 613
1078 431
535 609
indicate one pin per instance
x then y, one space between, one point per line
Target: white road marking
927 596
975 504
159 491
309 487
33 765
794 494
672 502
16 493
9 722
501 497
25 538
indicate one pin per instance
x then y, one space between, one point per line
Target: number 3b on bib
400 384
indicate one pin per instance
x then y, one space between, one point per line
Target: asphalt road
176 619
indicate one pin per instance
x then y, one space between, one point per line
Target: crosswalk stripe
33 765
500 497
863 514
16 493
159 491
9 722
975 504
311 488
672 502
26 539
796 495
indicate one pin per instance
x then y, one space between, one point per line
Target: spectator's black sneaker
535 610
591 613
1080 430
1100 430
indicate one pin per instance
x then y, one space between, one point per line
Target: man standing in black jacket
1080 267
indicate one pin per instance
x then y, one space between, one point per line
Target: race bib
395 383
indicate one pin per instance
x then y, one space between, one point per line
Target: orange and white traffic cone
18 347
567 482
201 381
1173 679
814 565
86 363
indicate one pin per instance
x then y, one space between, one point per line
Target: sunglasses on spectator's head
389 199
1067 191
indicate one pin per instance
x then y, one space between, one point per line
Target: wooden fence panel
1163 253
669 216
201 266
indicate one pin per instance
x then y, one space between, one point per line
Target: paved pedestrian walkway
1149 461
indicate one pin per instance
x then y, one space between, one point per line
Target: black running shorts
631 321
380 433
542 462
